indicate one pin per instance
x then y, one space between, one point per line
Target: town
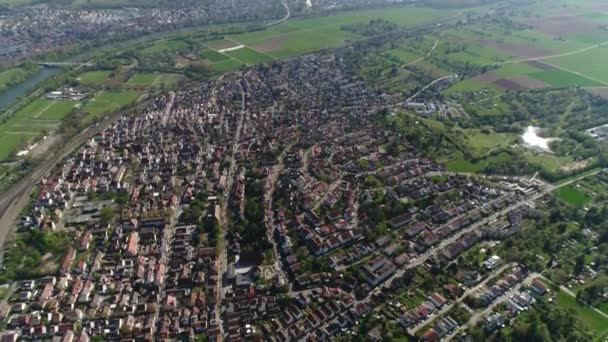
272 196
302 170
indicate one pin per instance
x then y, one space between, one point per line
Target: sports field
107 101
571 195
94 78
31 121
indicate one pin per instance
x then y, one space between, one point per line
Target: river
9 97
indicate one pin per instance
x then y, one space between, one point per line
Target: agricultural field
107 101
249 56
94 78
34 119
305 35
589 64
152 79
212 56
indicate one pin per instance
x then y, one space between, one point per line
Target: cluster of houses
488 295
519 302
31 30
420 313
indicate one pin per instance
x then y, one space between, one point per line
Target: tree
106 214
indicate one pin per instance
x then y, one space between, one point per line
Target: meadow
249 56
94 78
153 79
592 320
108 101
304 35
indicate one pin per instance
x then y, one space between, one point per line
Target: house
492 262
538 287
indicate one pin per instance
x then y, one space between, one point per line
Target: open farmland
152 79
249 56
107 101
305 35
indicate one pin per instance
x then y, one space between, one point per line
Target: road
268 208
428 86
431 252
430 52
16 198
447 308
481 314
223 257
532 59
287 15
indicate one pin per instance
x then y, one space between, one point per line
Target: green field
212 56
165 45
559 79
461 165
227 65
591 63
597 323
303 35
249 56
94 78
151 79
480 142
469 85
514 69
106 101
573 196
31 121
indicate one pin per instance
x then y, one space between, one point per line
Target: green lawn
249 56
597 323
94 78
106 101
571 195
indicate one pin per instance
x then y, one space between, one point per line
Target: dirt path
570 53
428 53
